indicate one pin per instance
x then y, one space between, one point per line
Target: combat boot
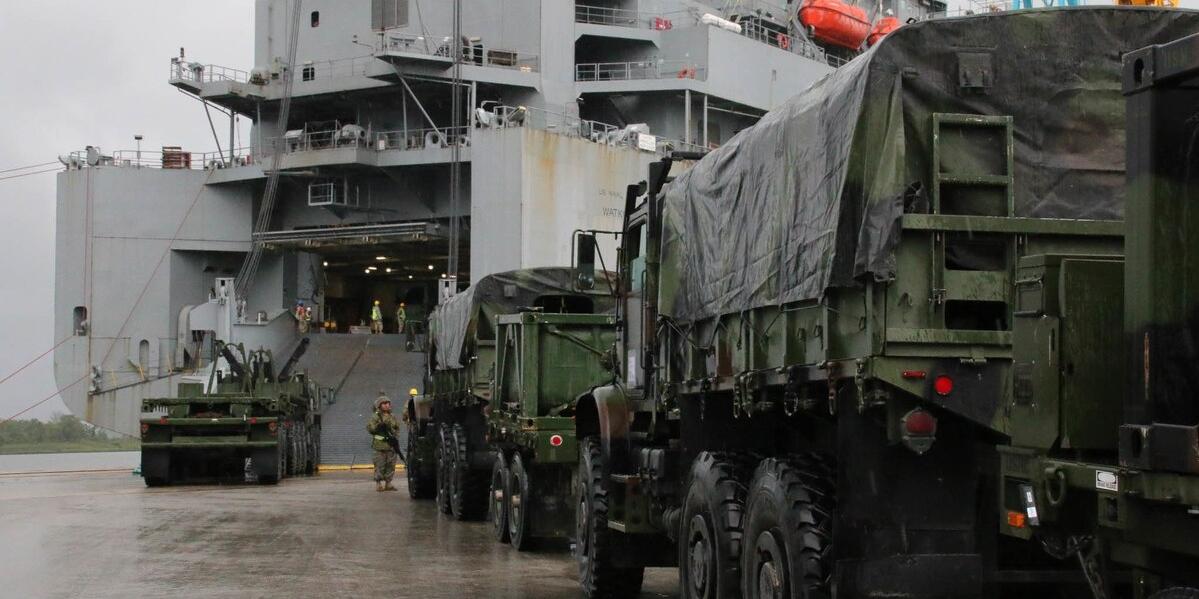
387 486
379 486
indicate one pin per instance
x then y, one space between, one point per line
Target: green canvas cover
811 196
454 323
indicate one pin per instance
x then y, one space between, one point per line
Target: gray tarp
455 322
810 197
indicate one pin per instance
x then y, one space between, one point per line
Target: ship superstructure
400 149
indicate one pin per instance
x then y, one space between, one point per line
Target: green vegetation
62 433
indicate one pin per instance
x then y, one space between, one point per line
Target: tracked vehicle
835 376
493 434
254 412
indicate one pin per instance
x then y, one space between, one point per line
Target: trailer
212 427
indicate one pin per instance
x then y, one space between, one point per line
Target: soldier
383 428
376 318
401 317
303 317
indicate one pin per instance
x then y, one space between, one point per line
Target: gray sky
74 73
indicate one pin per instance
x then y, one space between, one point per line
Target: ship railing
473 53
501 116
639 70
784 41
604 15
399 139
357 66
167 158
205 73
421 139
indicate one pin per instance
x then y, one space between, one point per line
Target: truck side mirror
585 261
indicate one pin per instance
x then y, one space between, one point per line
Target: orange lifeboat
835 23
884 26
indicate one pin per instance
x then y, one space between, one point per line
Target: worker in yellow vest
376 319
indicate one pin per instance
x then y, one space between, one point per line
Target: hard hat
376 302
413 391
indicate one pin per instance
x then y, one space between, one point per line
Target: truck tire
711 534
156 467
420 484
519 501
497 504
444 459
268 464
788 532
1176 593
599 576
468 495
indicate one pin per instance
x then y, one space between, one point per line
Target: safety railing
421 139
472 52
167 158
205 73
400 139
604 15
639 70
500 116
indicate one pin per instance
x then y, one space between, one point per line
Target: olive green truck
256 411
928 329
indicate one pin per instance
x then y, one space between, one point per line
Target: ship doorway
341 271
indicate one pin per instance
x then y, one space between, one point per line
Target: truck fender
604 412
419 410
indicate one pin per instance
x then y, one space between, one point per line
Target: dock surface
105 535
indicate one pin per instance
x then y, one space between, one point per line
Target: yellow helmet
376 302
413 392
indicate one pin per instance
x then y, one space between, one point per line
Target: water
53 462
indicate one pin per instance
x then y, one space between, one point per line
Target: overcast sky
74 73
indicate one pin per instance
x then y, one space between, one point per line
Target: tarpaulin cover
811 196
456 321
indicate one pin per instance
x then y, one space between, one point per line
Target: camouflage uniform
381 426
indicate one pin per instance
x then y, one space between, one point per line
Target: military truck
829 326
254 412
492 434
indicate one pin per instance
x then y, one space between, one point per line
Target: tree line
59 428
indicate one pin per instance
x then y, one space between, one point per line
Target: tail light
1016 520
919 430
556 440
162 420
943 385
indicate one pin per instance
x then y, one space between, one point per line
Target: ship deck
106 535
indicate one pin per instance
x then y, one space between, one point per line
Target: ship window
81 320
143 355
315 18
308 73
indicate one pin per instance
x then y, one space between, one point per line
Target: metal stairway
359 366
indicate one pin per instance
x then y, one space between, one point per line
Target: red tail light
556 440
943 385
920 423
914 374
162 420
253 421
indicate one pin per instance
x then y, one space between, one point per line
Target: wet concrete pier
106 535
